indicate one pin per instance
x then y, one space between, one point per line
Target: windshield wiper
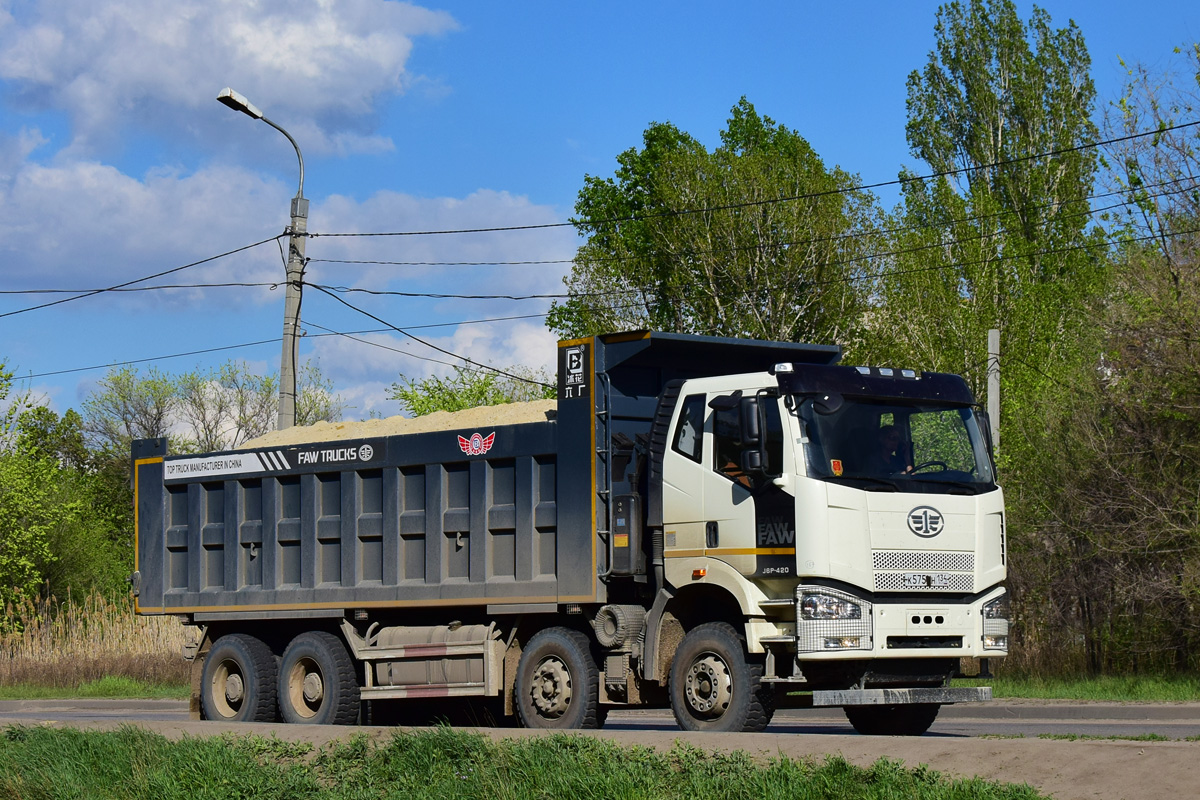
879 484
969 486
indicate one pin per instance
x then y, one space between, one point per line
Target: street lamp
295 270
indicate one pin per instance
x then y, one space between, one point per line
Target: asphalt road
997 740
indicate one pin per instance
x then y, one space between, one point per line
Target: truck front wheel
714 687
558 683
238 680
317 681
904 720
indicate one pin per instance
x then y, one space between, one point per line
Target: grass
1135 689
43 763
68 645
112 686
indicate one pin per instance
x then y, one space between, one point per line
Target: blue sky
116 162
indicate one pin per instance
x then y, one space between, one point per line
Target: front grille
894 582
899 559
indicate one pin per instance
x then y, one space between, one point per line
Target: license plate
923 580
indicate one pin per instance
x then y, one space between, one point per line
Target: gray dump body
519 524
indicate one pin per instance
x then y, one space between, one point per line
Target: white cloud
324 63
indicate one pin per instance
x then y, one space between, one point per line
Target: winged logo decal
478 444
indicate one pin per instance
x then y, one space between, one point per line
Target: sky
117 163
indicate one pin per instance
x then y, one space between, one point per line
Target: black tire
904 720
713 685
558 682
317 681
238 680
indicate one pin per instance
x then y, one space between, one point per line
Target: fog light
841 642
995 642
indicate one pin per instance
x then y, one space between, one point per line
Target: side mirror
725 402
752 462
751 435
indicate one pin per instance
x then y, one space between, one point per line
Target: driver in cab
888 457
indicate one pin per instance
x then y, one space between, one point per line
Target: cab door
750 521
684 473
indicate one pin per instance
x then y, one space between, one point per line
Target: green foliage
1004 240
1112 563
685 239
128 763
315 398
27 517
110 687
468 388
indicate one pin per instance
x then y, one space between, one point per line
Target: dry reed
69 643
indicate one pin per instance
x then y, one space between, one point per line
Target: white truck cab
854 515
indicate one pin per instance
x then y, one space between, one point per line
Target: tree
315 398
1002 238
1126 512
756 238
128 406
467 388
226 406
203 410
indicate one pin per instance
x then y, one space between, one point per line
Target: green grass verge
1142 689
44 763
113 687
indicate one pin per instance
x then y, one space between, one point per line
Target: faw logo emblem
926 521
478 444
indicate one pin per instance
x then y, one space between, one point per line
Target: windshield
889 445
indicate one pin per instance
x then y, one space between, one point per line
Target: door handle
712 535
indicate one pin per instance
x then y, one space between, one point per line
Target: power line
784 199
430 345
140 288
832 238
146 360
94 292
443 263
381 346
438 296
276 341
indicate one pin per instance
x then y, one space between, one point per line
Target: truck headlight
996 613
998 608
826 606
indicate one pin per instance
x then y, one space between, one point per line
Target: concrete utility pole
295 270
993 385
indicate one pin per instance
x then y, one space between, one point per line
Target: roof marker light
863 370
908 373
781 368
885 372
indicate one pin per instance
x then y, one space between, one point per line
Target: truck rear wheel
558 683
714 687
238 680
904 720
317 681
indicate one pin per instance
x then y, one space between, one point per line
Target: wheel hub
709 687
314 688
234 688
551 688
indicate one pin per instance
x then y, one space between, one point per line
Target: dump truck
720 526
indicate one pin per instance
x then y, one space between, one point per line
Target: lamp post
295 270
